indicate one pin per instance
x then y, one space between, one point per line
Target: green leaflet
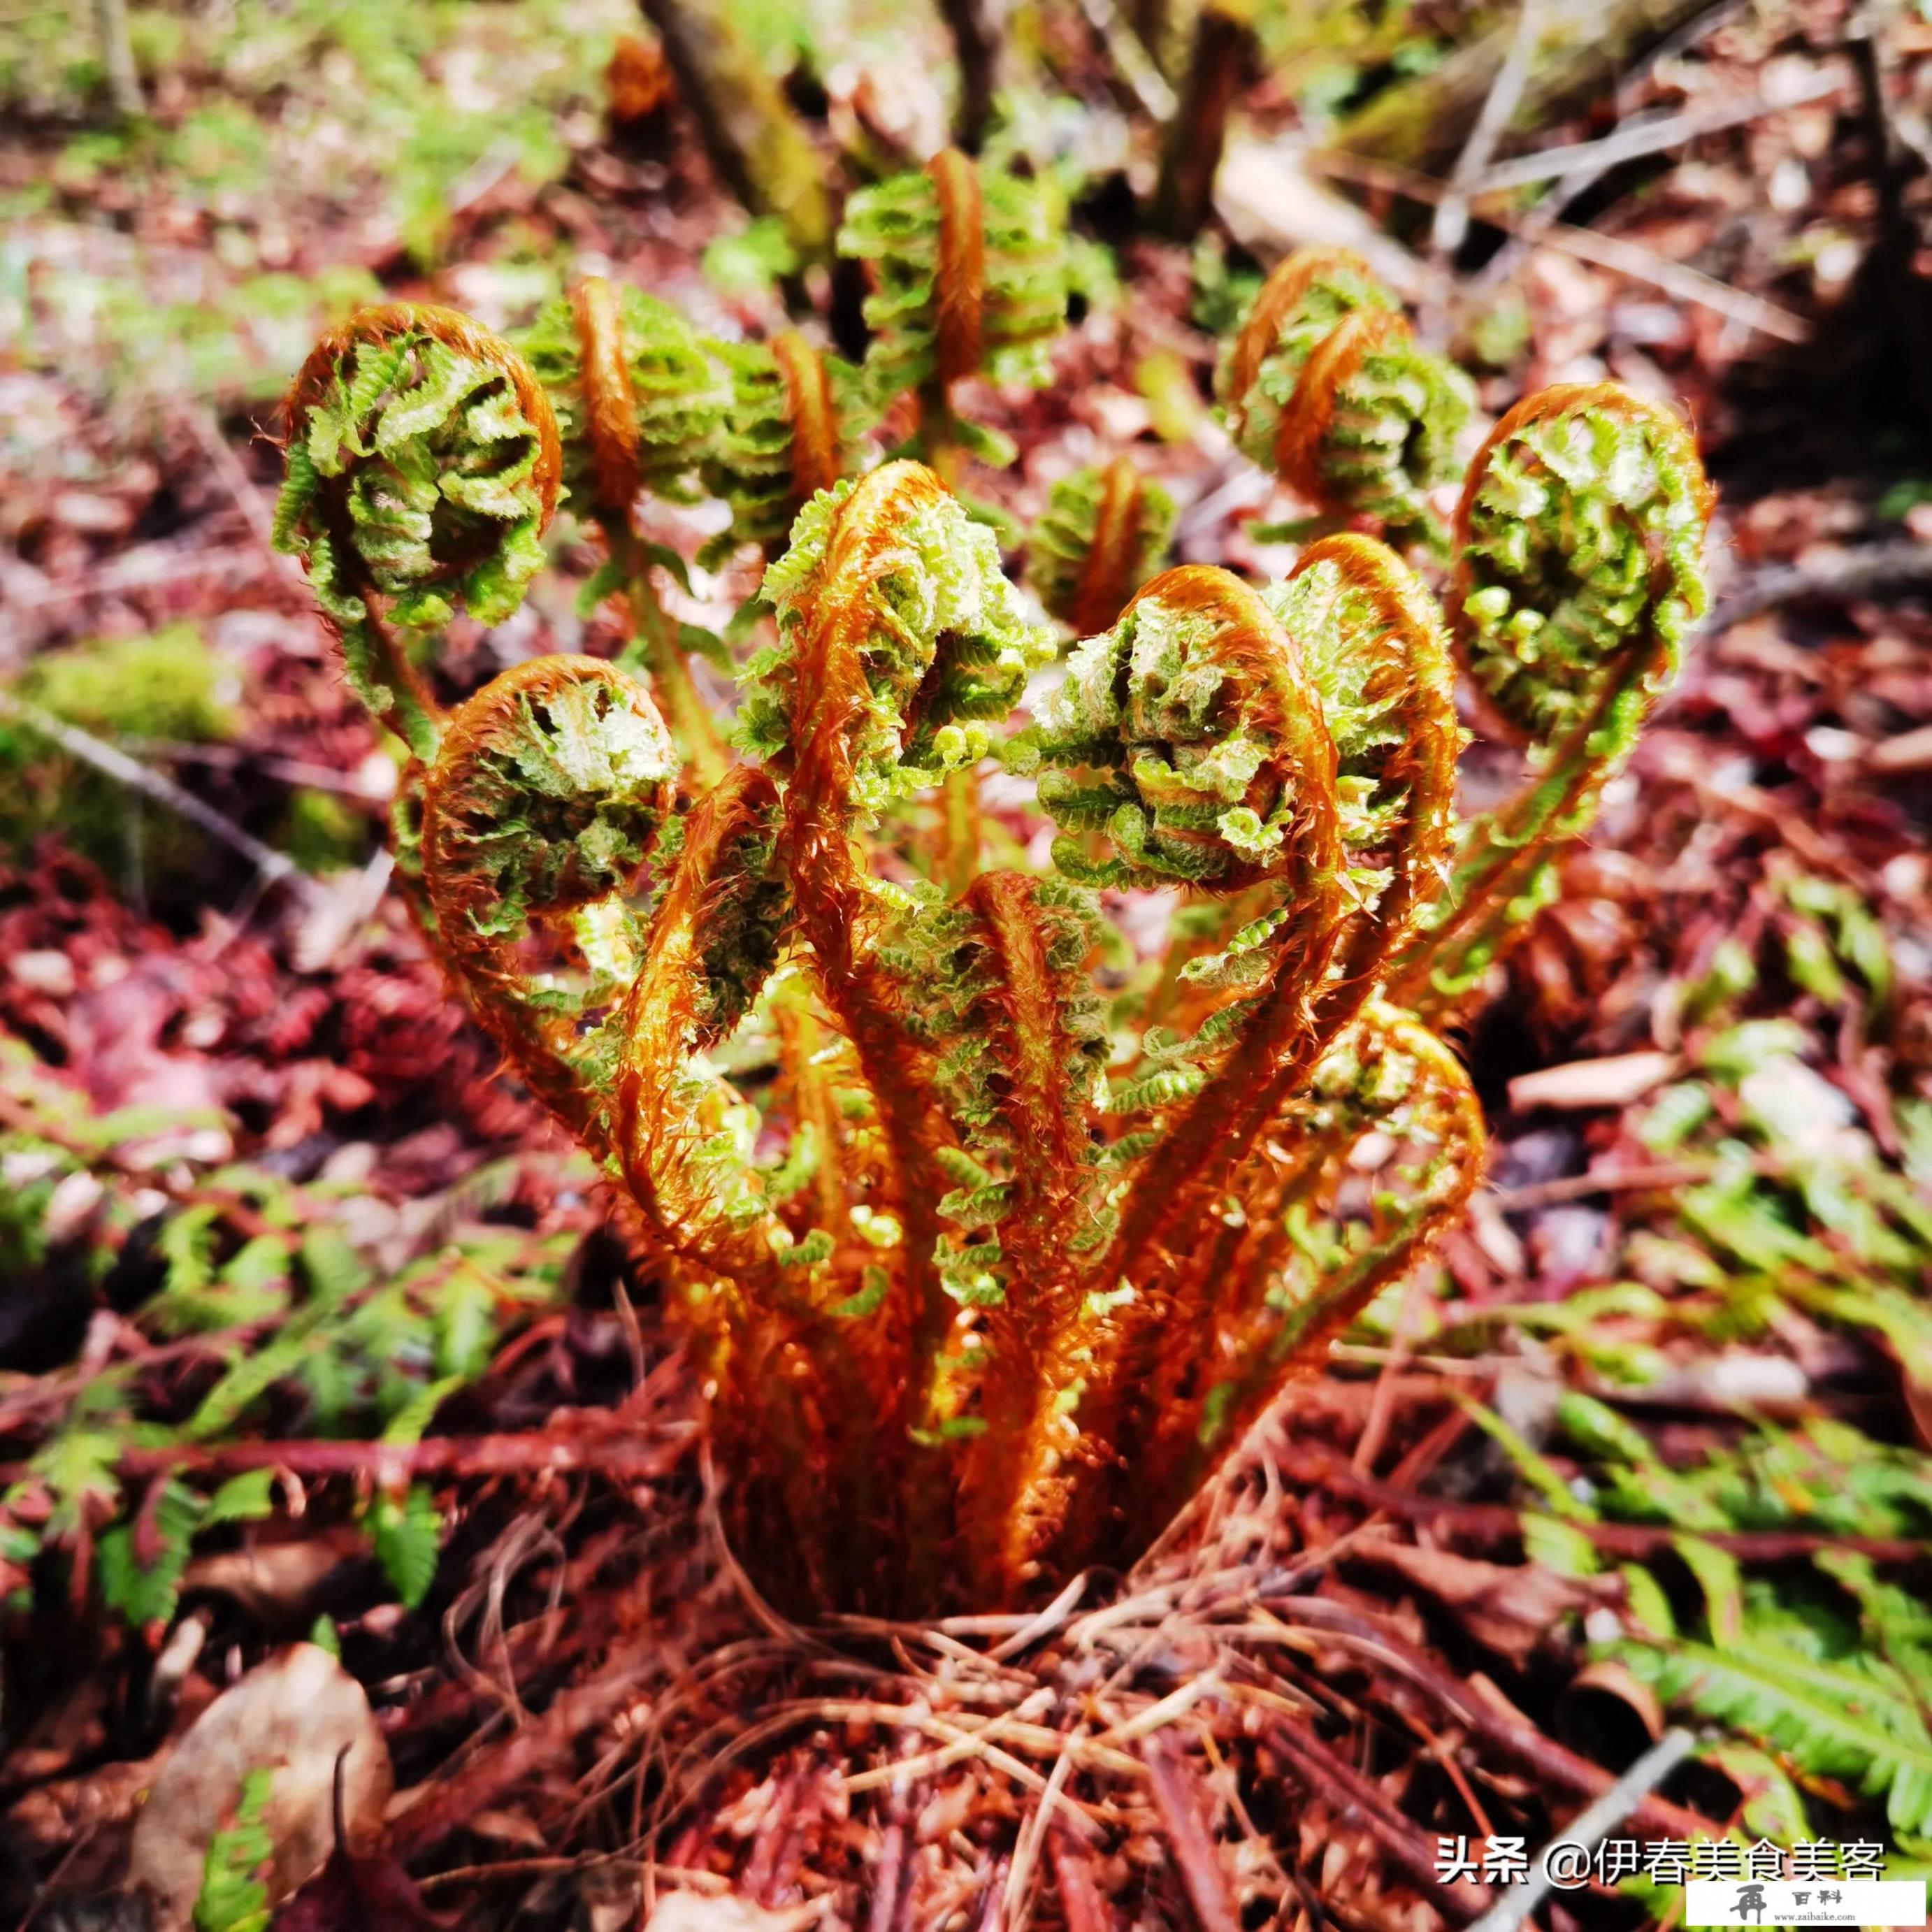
406 1534
412 479
1850 1717
233 1898
146 1591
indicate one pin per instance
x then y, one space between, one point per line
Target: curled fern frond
1099 539
795 417
638 400
1580 538
900 643
992 1233
970 275
893 591
1363 722
1579 541
1325 386
543 803
1380 658
1187 745
424 468
640 403
1279 1278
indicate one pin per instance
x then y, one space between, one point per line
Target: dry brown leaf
1613 1081
295 1715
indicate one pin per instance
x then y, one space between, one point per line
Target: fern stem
655 647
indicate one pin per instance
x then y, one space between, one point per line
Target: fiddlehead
540 810
900 642
970 279
423 469
1359 732
1580 538
639 403
795 416
638 400
1325 386
1100 538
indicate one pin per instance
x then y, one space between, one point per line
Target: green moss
168 686
323 833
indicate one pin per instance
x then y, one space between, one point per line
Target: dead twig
615 1451
1543 1757
1323 1771
1874 570
1606 251
1505 95
1203 1877
275 868
1595 1825
1651 135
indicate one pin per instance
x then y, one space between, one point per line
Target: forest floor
312 1329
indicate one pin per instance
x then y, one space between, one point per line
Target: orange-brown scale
791 1357
1413 664
1163 1221
663 1027
815 455
960 279
610 404
1104 588
1016 1456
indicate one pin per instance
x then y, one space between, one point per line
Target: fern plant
971 277
1097 541
1324 386
992 1231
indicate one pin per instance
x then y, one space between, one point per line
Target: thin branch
1589 245
1324 1771
1596 1824
615 1450
1650 135
1131 60
1202 1875
1499 106
1874 570
276 868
